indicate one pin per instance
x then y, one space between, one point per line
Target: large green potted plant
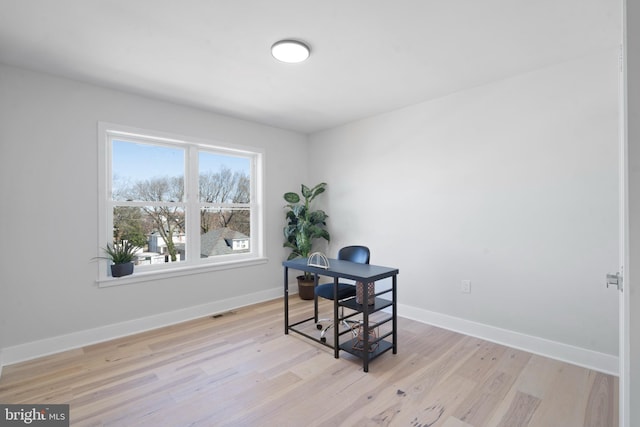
121 255
304 226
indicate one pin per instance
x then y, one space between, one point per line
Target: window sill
147 276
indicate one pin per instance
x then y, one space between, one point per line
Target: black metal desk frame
365 273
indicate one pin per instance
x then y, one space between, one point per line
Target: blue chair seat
344 291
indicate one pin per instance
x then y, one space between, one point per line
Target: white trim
601 362
47 346
624 299
181 270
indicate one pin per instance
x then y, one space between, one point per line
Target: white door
624 294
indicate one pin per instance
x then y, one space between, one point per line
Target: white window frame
192 146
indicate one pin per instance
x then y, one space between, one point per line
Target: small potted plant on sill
303 227
121 255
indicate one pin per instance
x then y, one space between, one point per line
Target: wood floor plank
520 411
437 404
602 399
238 368
565 398
483 400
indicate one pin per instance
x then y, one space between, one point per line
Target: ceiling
368 56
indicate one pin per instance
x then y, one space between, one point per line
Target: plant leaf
306 192
291 197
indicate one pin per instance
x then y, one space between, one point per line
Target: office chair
359 254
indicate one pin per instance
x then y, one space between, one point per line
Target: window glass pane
131 224
224 231
158 230
149 173
224 179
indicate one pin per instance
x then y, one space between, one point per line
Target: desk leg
315 298
336 324
286 300
365 327
394 321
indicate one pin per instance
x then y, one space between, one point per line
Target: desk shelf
383 347
379 304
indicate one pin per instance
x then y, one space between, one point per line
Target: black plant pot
305 288
119 270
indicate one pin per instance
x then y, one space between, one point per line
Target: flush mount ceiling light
291 51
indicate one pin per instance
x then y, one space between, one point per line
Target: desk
365 273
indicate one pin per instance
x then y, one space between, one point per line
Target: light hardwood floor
240 369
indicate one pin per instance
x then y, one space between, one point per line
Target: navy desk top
346 269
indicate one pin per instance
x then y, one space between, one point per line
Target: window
186 204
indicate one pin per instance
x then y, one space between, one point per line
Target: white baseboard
590 359
575 355
34 349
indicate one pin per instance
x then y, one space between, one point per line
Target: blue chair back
359 254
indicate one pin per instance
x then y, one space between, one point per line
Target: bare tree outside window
224 187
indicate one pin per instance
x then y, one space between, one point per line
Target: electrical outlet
465 287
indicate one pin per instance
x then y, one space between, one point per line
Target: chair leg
349 324
323 329
329 322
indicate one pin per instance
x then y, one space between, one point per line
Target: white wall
48 183
511 185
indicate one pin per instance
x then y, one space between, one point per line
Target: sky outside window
133 162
